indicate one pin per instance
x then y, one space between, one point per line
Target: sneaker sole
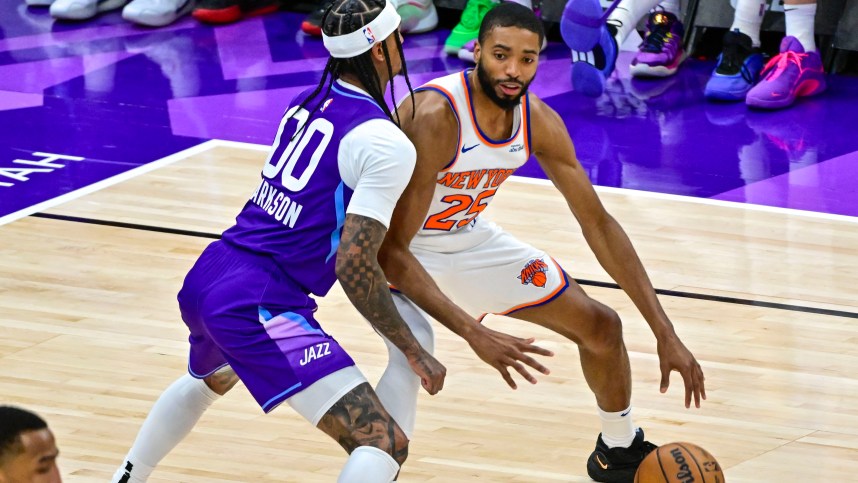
646 70
417 17
466 55
587 79
100 8
230 14
218 16
310 29
576 24
806 88
158 20
725 96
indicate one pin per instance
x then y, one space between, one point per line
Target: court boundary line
107 182
35 211
633 192
580 281
216 143
701 201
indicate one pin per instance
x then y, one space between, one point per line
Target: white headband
358 42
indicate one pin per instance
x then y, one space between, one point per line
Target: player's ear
477 51
378 51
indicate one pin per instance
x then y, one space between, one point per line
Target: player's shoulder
380 129
429 112
538 109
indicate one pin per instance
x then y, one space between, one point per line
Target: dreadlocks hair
13 422
344 17
511 14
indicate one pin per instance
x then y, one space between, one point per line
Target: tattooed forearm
364 282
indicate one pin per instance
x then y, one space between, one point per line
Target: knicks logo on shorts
535 272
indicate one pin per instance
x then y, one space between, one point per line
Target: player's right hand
430 371
502 351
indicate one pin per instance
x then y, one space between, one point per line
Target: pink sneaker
661 51
790 74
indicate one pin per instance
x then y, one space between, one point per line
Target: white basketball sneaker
83 9
156 13
418 16
39 3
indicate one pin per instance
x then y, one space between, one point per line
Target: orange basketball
539 279
679 463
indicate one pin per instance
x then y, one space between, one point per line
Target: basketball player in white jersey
471 131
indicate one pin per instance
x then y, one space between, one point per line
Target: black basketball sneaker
618 465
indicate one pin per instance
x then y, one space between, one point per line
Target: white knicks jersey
467 184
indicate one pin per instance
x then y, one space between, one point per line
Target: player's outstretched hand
674 356
502 351
430 371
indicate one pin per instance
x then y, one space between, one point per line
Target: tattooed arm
366 286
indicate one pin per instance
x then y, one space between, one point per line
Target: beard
488 85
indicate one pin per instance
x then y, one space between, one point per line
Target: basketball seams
691 455
661 466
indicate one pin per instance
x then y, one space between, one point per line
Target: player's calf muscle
358 419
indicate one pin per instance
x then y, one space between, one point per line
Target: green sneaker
468 27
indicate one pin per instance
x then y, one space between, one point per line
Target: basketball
679 463
539 279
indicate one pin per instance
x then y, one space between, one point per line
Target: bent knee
606 332
222 381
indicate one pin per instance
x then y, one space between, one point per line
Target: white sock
368 464
671 6
799 24
171 419
627 15
748 18
398 387
617 428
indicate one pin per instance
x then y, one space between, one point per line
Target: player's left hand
674 356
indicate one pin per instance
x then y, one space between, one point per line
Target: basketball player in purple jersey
328 190
471 131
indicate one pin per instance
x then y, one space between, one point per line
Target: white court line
215 143
643 194
238 144
702 201
133 173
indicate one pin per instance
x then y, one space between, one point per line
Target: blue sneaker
738 69
594 50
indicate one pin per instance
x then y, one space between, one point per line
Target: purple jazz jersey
296 214
242 311
247 300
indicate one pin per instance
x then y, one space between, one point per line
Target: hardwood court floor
90 335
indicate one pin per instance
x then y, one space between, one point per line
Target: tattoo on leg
359 419
222 381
